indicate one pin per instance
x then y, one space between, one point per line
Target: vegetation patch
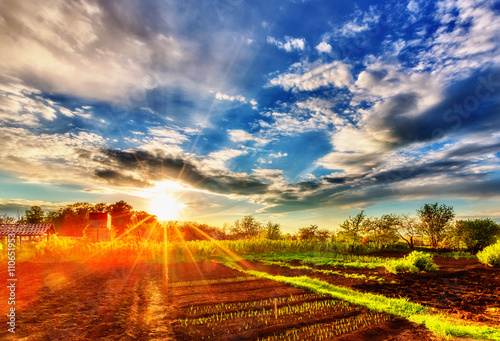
415 262
490 255
326 272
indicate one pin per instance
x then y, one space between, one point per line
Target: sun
165 207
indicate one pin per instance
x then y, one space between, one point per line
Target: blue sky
299 112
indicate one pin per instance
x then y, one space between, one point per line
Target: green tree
273 231
435 220
323 235
352 228
382 230
308 233
476 234
34 215
246 228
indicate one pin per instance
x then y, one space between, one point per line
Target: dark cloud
308 185
117 179
155 168
473 150
372 187
470 106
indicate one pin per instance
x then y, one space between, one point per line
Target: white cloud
472 44
413 6
224 97
382 80
23 105
361 21
168 135
290 44
254 104
324 47
309 78
162 146
238 135
278 155
56 158
63 47
45 205
217 161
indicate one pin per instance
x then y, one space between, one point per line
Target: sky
296 112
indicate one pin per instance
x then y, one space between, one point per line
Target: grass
65 249
326 272
322 259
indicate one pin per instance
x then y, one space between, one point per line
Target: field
209 295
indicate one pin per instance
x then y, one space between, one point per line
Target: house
27 232
99 228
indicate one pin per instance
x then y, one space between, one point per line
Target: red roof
98 216
26 229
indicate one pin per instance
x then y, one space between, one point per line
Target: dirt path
82 303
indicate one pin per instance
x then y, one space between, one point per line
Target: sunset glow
165 207
302 112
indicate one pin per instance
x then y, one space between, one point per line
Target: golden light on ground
164 204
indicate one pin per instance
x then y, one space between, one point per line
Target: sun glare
165 207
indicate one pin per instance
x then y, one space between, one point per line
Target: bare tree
407 229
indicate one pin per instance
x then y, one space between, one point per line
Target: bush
490 255
414 262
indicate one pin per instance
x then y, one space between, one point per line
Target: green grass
322 259
326 272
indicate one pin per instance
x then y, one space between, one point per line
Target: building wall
98 234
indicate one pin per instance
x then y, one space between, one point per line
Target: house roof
26 229
98 216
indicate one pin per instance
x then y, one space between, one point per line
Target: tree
121 214
382 230
435 220
476 234
308 233
273 231
247 228
141 225
407 229
352 228
34 215
6 219
322 235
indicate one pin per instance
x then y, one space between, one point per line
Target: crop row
326 272
328 331
211 281
269 314
213 309
243 320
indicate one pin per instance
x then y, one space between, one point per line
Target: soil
462 288
73 301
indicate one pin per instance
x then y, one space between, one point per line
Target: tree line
433 222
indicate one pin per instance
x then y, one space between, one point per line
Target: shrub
490 255
414 262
